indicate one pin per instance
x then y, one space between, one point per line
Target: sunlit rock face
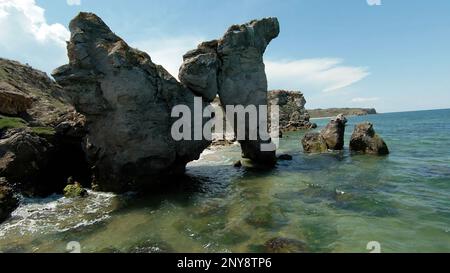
365 140
128 100
233 68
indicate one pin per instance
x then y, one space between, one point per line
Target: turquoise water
324 203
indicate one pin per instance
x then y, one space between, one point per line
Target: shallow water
332 203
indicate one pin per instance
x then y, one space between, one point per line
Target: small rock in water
152 247
266 217
74 190
333 134
8 201
285 245
285 157
237 164
330 138
365 140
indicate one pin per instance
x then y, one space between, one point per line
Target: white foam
57 214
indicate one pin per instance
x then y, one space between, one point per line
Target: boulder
330 138
8 201
13 102
334 132
127 101
365 140
240 74
313 143
75 190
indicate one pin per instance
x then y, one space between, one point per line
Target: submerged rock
266 217
151 246
293 114
365 140
285 157
330 138
8 201
285 245
239 77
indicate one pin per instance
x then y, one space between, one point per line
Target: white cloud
73 2
27 37
363 100
374 2
323 74
168 51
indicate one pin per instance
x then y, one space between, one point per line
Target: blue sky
394 56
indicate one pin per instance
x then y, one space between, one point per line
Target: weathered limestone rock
13 102
40 139
127 101
293 115
240 75
8 201
365 140
330 138
202 75
313 143
334 132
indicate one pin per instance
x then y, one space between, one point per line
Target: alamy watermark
73 247
245 123
374 247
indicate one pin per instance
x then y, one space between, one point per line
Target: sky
393 55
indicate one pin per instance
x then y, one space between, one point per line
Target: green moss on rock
11 123
74 191
43 131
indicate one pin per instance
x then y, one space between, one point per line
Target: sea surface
334 202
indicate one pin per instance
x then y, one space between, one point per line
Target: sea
333 203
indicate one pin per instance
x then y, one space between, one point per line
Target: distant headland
332 112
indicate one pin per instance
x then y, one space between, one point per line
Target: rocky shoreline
105 122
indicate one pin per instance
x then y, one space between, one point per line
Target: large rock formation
365 140
40 138
8 200
329 138
293 115
233 68
127 101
